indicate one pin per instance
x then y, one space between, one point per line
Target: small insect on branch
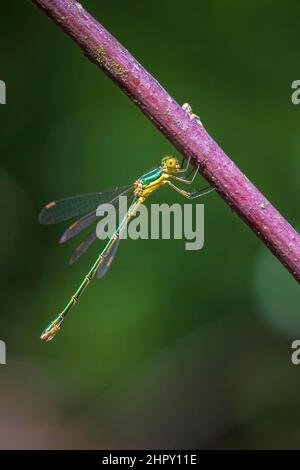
186 134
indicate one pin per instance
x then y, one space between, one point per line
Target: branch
190 138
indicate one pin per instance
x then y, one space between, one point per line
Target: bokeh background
173 349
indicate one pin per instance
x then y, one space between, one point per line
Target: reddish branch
185 134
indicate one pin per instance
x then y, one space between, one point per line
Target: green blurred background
173 349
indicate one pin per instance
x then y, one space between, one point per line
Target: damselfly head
170 164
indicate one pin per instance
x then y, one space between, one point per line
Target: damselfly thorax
155 178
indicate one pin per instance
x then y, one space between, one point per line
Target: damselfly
86 207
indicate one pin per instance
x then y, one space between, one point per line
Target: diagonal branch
190 138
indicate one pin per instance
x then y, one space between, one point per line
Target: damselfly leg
192 194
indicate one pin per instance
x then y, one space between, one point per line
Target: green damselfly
85 206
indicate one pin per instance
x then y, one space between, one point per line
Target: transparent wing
85 244
64 209
109 259
111 253
78 226
87 219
